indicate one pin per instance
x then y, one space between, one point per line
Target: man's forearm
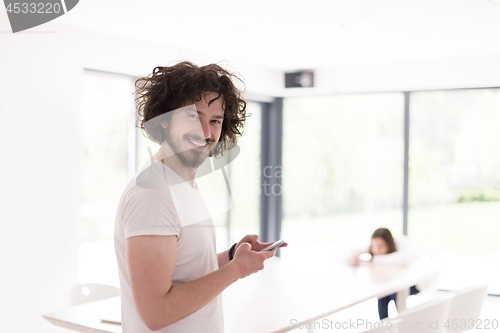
186 298
223 258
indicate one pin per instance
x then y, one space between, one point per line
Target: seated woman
385 250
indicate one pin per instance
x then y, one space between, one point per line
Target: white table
286 290
86 317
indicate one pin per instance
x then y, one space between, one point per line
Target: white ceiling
303 34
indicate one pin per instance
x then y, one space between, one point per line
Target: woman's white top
405 254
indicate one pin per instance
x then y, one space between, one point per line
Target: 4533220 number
479 324
34 8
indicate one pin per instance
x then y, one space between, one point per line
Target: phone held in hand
273 246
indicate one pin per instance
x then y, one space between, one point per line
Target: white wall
39 92
39 178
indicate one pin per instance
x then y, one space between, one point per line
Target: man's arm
151 263
223 258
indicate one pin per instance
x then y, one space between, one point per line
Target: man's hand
248 261
252 240
256 246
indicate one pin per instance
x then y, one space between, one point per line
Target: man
170 274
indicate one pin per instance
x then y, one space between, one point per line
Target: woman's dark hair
386 235
170 88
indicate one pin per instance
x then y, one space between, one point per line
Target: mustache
208 140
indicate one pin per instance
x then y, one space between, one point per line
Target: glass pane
454 189
106 111
342 167
106 104
244 217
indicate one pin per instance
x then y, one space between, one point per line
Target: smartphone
273 246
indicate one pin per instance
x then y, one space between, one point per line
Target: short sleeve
149 212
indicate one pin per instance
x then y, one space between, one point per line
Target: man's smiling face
193 131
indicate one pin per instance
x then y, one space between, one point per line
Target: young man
170 274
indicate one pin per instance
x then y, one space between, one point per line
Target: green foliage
479 195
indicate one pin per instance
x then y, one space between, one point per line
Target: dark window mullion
271 157
406 161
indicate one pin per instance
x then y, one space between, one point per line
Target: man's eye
216 121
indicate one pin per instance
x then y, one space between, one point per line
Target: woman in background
385 250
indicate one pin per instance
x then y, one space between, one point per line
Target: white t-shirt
158 202
405 253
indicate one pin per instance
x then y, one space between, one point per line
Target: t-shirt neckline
179 178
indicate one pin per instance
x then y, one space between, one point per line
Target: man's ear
164 124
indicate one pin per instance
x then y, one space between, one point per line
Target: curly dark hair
169 88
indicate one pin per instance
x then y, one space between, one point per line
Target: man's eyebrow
217 116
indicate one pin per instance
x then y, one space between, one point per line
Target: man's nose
205 129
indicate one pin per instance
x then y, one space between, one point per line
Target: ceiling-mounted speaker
303 79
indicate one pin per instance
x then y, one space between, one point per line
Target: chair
427 291
466 307
428 317
90 292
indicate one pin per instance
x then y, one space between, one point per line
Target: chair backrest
466 307
90 292
386 326
428 317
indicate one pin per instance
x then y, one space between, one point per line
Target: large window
342 167
113 148
244 217
106 110
342 172
454 188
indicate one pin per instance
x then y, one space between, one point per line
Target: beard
191 158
